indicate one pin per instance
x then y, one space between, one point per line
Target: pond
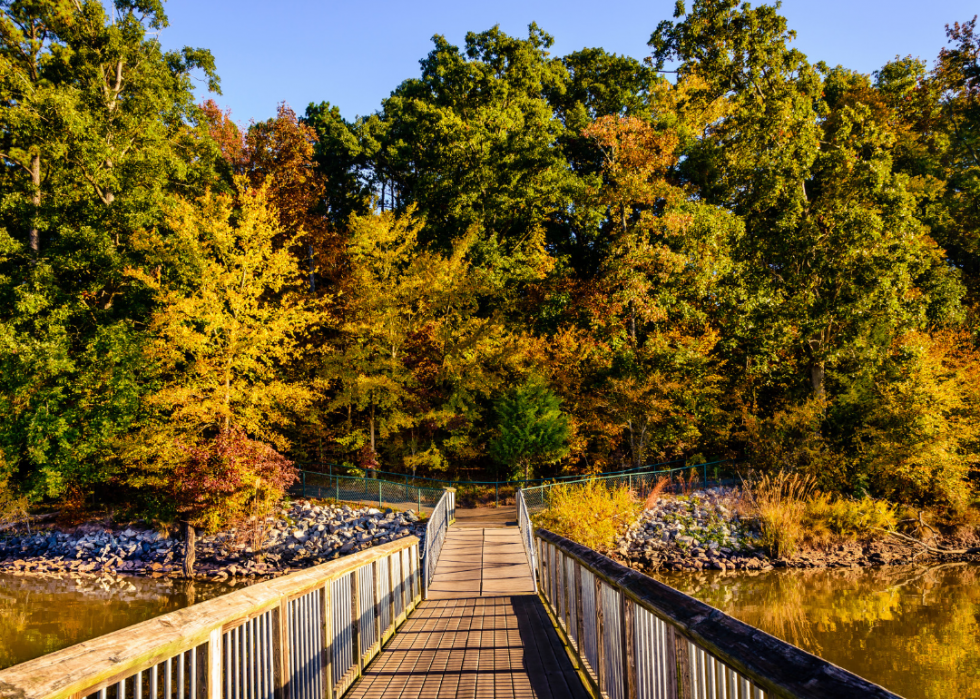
912 630
42 615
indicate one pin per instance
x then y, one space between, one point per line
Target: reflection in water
42 615
913 630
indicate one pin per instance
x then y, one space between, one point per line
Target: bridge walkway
482 633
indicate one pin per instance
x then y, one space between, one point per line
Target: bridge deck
482 634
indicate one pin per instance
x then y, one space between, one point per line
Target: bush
829 519
590 513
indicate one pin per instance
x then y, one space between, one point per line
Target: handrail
526 528
442 516
636 637
303 635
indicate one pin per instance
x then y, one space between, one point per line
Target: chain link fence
696 475
368 491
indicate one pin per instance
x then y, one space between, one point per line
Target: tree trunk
190 549
817 375
374 452
35 239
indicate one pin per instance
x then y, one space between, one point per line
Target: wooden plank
778 668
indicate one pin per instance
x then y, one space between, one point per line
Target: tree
224 480
531 429
227 328
105 122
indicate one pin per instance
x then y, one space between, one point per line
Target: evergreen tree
532 429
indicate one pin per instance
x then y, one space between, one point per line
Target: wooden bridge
493 611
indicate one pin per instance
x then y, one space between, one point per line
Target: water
42 615
913 630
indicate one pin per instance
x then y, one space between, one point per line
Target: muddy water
41 615
913 630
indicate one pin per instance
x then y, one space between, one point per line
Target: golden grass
590 513
790 511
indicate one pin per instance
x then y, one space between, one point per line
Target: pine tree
533 429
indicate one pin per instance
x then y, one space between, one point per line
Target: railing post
326 615
579 621
376 580
280 649
600 669
626 622
356 619
682 661
214 665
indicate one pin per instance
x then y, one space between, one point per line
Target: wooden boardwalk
481 634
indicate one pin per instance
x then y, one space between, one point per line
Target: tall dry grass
779 501
590 513
790 511
655 492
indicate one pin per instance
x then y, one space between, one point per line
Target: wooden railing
303 636
443 515
636 638
526 528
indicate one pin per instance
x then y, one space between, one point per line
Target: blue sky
353 54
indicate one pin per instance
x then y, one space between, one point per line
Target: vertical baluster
260 656
153 681
228 669
233 666
252 666
193 673
102 693
167 679
121 689
180 675
301 647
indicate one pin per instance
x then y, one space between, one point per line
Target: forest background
521 263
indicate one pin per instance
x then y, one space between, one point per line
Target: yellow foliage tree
225 336
922 438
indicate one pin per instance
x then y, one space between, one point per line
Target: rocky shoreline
706 531
302 535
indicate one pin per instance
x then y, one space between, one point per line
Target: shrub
590 513
840 519
228 479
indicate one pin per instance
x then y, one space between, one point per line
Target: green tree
99 131
532 429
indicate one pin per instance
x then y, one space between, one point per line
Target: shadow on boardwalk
482 632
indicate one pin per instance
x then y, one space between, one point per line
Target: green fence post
379 493
496 487
418 491
705 469
337 485
304 482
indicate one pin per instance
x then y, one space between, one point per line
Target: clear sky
353 54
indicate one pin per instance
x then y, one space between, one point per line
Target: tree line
520 263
